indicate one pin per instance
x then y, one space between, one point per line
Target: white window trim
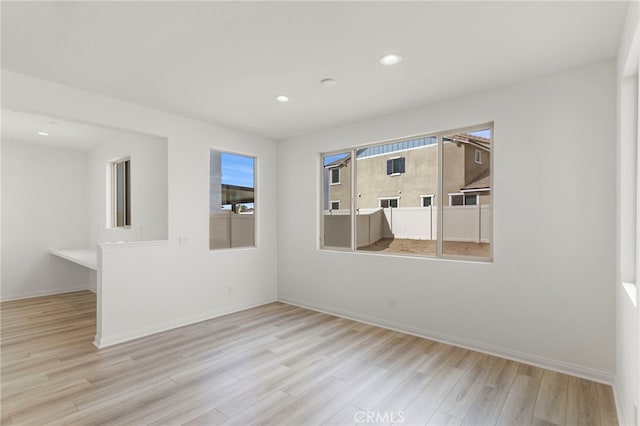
334 201
452 194
440 254
331 176
471 195
464 191
464 199
477 156
388 198
422 197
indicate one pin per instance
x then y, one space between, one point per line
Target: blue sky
237 170
331 158
482 133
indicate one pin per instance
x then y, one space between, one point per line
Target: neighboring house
403 174
337 174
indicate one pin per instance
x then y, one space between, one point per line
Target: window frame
321 176
475 196
401 162
256 203
331 204
477 156
464 196
422 198
439 135
113 208
388 199
331 169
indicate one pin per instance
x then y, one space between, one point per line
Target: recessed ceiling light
328 82
43 133
390 59
282 98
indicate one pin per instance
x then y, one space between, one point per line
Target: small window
456 200
478 156
335 205
121 193
232 200
463 200
426 200
395 166
389 202
471 200
335 176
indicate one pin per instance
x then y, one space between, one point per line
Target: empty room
319 213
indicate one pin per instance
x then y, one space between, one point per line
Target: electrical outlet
182 240
392 302
229 290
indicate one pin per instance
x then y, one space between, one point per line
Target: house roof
477 141
404 145
421 142
481 182
340 162
234 194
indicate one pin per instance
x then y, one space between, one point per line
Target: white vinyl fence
461 223
467 223
228 229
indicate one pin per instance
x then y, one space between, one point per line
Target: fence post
479 221
431 221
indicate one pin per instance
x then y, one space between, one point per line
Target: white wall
627 381
148 287
548 298
45 203
149 220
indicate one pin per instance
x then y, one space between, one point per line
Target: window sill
395 174
333 184
445 258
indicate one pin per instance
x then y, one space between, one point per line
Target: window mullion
353 200
440 203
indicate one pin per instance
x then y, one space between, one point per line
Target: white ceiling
24 127
226 61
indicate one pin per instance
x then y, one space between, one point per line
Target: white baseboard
41 293
535 360
104 341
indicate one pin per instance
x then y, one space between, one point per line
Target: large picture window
232 200
449 173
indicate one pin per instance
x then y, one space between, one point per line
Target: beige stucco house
403 174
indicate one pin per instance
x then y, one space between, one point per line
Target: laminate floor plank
520 403
551 405
470 386
275 364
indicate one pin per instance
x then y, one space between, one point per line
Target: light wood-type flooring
276 364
